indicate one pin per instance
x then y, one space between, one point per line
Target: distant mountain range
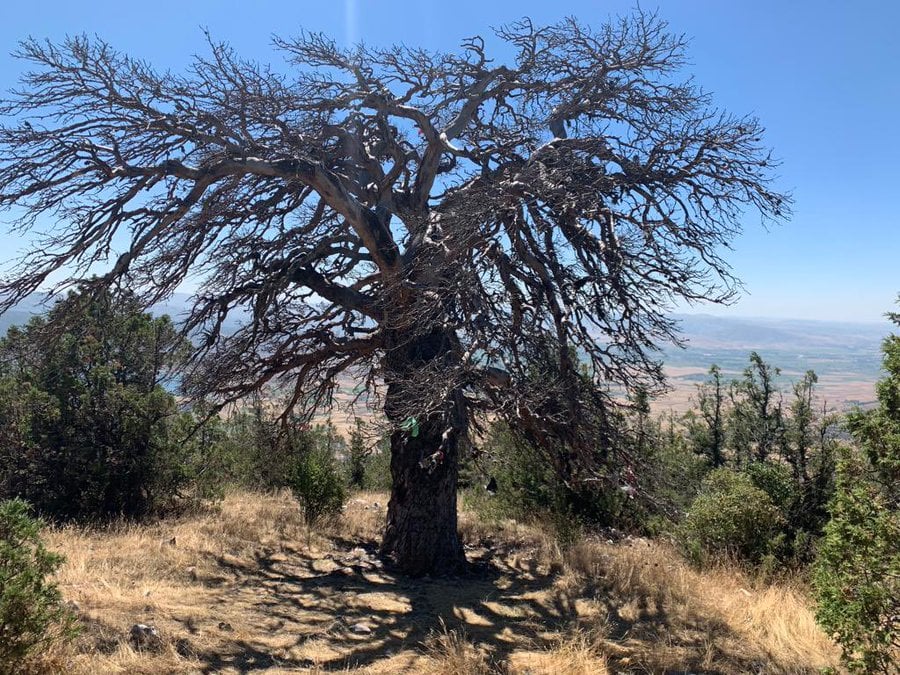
709 331
792 344
845 355
21 313
36 303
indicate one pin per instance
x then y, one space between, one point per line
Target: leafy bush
86 421
253 449
376 465
523 485
857 576
776 481
357 456
204 468
669 477
800 505
730 517
29 603
526 486
318 485
377 474
368 468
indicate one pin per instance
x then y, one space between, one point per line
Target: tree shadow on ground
343 608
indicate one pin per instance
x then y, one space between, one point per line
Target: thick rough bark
421 535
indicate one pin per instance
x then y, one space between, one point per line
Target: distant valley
846 356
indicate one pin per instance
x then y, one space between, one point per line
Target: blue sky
822 76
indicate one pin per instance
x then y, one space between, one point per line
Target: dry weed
578 653
452 653
668 613
236 589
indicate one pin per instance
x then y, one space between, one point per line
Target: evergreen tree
357 455
756 422
81 392
858 572
709 435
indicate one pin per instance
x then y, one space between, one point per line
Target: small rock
184 648
144 637
360 629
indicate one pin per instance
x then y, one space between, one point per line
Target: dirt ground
238 590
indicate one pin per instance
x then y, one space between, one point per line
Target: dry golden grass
577 653
452 653
662 614
236 589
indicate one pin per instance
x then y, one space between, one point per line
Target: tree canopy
436 222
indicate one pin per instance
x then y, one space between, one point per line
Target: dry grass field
236 589
840 392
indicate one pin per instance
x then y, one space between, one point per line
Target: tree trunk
421 535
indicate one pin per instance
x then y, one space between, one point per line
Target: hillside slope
236 590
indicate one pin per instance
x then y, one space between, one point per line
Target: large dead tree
433 224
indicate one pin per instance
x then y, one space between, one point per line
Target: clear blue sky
822 76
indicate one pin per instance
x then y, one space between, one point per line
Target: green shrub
30 604
318 485
86 421
258 451
527 488
367 468
357 456
730 517
777 482
253 448
857 574
800 505
204 469
670 475
377 474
